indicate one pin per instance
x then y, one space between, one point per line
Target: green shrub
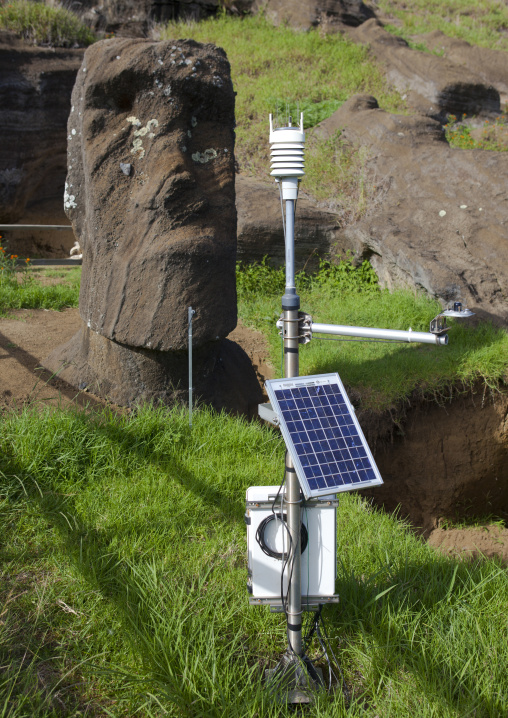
42 24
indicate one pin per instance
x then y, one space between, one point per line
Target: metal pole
290 307
383 334
35 227
190 314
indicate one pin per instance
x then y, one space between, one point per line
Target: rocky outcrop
150 194
433 85
490 65
35 92
133 18
260 233
304 14
439 220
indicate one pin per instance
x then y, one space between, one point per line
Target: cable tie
294 626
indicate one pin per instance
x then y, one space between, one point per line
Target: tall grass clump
480 22
386 373
122 582
23 287
279 70
42 24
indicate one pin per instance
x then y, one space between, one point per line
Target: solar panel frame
322 434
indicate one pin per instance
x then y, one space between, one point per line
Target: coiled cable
260 535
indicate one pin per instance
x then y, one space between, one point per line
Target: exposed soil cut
463 445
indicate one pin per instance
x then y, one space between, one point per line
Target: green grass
25 290
479 22
42 24
122 584
385 373
273 66
494 135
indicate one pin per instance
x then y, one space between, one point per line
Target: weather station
292 528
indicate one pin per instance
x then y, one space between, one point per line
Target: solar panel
322 434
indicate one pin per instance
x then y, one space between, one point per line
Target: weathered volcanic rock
260 233
305 14
222 371
440 220
162 237
490 65
150 193
35 92
433 84
127 19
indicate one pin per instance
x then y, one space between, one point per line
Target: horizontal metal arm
371 333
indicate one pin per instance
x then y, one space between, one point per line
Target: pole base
294 680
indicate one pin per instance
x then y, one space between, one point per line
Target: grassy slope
480 22
44 24
123 577
271 66
386 373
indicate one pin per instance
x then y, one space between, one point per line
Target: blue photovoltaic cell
322 434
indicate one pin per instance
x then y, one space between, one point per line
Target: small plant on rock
490 136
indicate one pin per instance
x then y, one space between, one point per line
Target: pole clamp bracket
304 326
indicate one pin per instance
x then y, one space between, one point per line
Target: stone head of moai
150 191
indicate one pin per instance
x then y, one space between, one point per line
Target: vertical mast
287 167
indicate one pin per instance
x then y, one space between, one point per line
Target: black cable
314 618
260 535
344 686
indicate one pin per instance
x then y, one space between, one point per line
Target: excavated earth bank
445 461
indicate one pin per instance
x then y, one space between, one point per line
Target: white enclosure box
319 557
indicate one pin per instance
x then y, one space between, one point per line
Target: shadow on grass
183 625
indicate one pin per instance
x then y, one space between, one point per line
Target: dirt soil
27 336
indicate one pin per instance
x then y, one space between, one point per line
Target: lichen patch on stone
204 157
69 199
137 144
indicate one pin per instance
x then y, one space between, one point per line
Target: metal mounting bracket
439 326
304 327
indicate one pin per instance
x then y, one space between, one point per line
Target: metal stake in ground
190 314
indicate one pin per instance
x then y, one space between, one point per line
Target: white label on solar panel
322 434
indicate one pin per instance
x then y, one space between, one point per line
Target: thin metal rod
50 262
372 333
33 227
190 314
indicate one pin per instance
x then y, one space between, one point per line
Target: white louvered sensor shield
286 155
